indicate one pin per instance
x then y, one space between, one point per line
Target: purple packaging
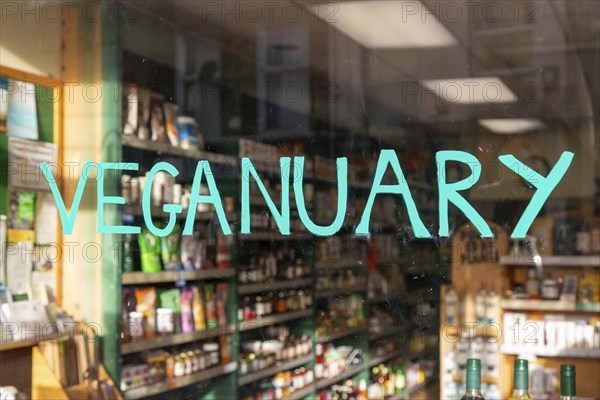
187 319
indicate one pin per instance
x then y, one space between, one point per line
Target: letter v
67 221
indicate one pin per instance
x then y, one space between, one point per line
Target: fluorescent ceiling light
386 24
509 126
476 90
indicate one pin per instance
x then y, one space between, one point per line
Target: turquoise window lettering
168 208
214 198
388 157
103 200
282 219
544 186
342 171
448 192
67 220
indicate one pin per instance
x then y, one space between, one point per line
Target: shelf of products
274 236
375 359
144 278
340 317
341 251
162 366
274 319
386 298
274 286
158 388
418 387
301 393
174 339
333 362
339 292
283 385
550 305
544 351
337 264
386 283
350 372
387 380
274 267
245 379
165 148
324 337
552 261
274 304
351 389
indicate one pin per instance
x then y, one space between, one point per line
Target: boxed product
170 299
187 319
146 305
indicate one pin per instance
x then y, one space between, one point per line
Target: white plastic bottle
492 308
451 301
480 306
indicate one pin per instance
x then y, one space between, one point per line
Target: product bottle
567 382
521 383
473 380
480 305
492 307
451 306
532 284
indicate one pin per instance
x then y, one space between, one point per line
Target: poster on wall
25 158
21 119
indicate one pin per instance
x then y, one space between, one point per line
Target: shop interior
259 313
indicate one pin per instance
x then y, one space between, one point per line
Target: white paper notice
24 160
19 259
22 111
45 219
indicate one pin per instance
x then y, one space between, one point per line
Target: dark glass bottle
473 380
567 382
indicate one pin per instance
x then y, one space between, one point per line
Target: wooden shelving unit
469 274
552 261
543 351
550 306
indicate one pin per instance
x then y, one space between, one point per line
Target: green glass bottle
473 380
521 383
567 382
